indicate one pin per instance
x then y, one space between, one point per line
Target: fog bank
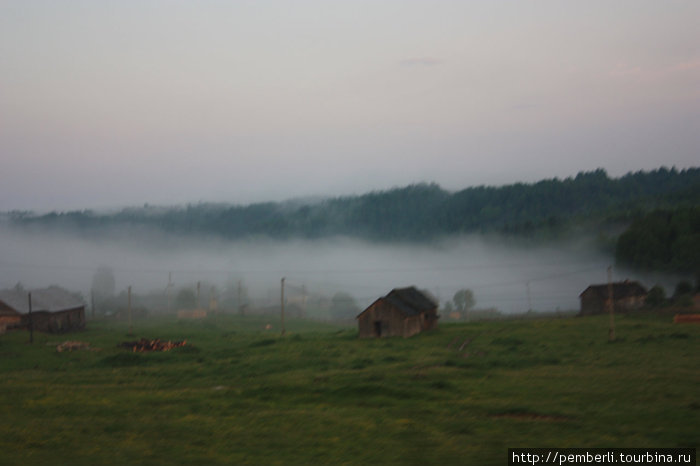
505 276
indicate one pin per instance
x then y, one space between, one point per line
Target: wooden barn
54 310
627 296
403 312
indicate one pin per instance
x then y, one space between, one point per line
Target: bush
656 296
683 294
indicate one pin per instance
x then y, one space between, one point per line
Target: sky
109 104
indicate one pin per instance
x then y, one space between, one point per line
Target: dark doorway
378 328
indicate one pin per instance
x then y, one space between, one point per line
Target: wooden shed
54 310
627 296
403 312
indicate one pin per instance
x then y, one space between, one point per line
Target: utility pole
282 303
31 319
130 322
611 306
529 300
199 284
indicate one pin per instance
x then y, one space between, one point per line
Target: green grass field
240 394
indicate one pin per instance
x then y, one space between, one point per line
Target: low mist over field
518 247
501 274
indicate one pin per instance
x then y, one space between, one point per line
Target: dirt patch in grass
145 345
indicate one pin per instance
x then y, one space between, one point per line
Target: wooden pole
31 319
282 304
611 306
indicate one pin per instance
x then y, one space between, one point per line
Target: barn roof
410 301
52 299
624 289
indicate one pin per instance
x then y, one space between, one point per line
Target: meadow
239 393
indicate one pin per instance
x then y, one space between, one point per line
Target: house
54 310
403 312
627 296
9 318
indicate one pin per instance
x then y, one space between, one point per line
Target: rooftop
52 299
410 300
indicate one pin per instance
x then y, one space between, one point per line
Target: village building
403 312
627 296
54 310
9 318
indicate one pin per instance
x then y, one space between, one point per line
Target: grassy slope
241 394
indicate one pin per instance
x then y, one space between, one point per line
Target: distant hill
415 213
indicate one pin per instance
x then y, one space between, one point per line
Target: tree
683 287
682 295
464 300
656 296
663 240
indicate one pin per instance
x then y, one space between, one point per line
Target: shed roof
410 301
624 289
52 299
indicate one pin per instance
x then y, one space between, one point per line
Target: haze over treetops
416 212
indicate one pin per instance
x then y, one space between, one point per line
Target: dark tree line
663 240
417 212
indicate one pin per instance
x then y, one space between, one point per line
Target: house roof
410 301
52 299
624 289
8 313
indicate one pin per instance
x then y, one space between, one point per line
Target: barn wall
57 322
631 303
429 320
412 325
383 317
591 303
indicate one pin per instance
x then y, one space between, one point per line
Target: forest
663 240
658 206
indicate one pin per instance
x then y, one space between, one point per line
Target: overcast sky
105 104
